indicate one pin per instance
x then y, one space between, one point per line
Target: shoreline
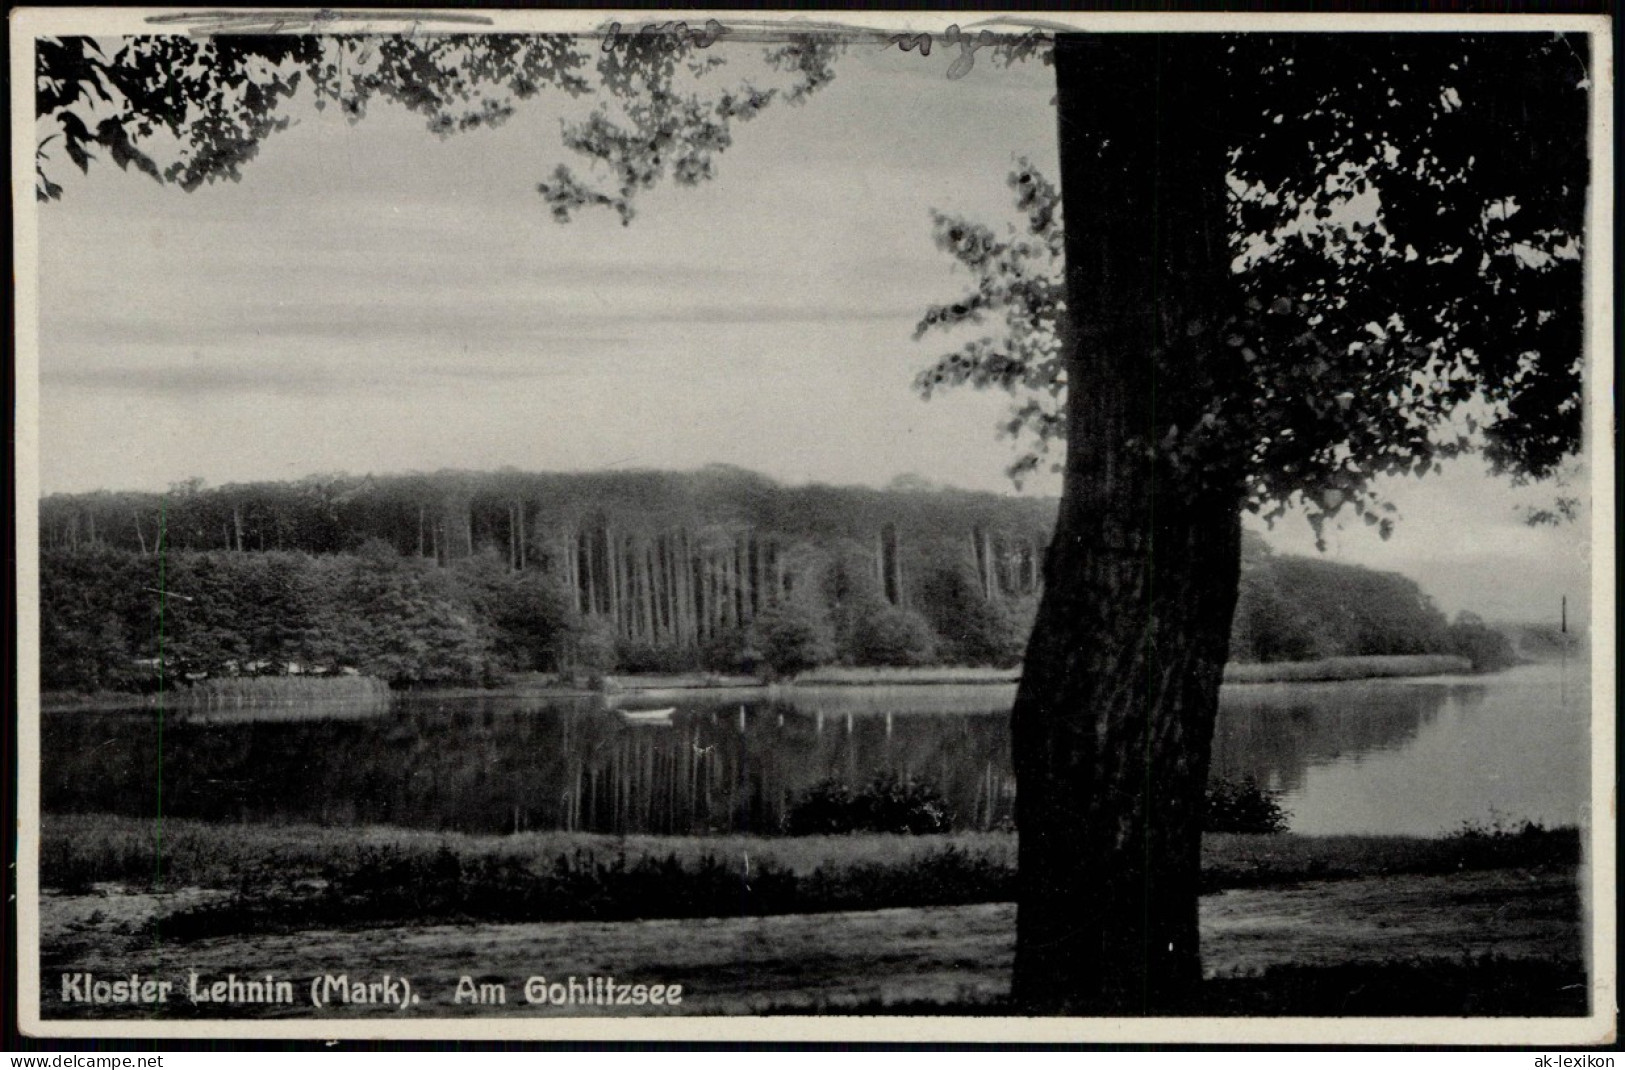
1323 670
1344 669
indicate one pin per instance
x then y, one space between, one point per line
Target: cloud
225 377
195 379
537 326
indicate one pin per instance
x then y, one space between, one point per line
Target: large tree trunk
1114 717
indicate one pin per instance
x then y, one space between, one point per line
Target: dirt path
816 962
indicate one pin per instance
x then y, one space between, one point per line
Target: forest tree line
466 577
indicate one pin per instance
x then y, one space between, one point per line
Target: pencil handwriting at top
967 49
953 35
908 42
678 33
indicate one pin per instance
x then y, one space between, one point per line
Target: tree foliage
665 571
1407 248
1018 279
794 636
192 110
119 620
1297 609
892 635
348 592
1489 649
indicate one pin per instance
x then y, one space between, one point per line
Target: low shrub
590 645
888 635
793 636
1242 806
1488 649
729 651
887 804
1524 843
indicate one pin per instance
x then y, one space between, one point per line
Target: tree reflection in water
504 762
1275 732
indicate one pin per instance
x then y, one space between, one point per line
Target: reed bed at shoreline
256 690
229 692
1334 670
250 691
853 676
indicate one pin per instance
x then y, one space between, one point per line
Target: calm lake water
1401 756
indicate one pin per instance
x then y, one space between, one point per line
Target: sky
370 298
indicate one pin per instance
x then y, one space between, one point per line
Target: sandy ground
811 962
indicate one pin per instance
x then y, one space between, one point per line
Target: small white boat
655 717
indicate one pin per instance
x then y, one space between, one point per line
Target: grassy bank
1328 670
292 877
79 850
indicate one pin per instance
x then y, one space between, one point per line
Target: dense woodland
461 577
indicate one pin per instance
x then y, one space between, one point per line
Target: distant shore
1330 670
1320 670
1324 670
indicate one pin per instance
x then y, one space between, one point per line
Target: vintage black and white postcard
550 526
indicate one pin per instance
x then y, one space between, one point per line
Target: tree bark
524 544
685 582
668 572
646 591
730 577
1113 719
709 593
990 587
612 579
589 544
